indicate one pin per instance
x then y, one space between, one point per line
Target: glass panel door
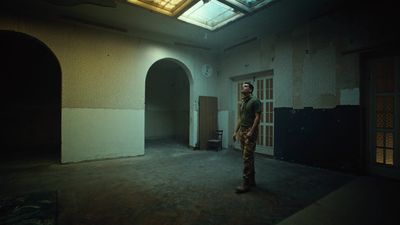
263 90
384 116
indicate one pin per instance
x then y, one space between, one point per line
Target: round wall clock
206 70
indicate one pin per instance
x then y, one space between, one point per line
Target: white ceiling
135 21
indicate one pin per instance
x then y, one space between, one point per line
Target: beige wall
103 85
104 73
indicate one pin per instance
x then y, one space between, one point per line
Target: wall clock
207 70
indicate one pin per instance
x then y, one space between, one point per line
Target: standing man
247 131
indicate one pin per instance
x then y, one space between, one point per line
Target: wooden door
208 119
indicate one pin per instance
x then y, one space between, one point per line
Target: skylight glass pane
210 15
167 7
250 5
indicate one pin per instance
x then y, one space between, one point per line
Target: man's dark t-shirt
250 106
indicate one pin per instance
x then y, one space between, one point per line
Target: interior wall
167 102
103 84
30 94
316 83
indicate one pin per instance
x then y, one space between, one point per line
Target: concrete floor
363 201
172 184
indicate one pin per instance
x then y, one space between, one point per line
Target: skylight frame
231 10
153 6
241 4
194 13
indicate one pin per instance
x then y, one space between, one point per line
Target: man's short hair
250 86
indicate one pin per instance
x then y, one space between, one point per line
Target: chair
217 142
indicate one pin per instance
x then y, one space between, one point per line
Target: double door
263 90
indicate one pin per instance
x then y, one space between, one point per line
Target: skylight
209 14
167 7
249 5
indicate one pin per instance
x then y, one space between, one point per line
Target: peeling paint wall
310 69
316 79
310 66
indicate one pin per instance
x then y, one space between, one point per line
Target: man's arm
255 124
234 136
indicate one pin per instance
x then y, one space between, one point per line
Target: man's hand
234 136
250 133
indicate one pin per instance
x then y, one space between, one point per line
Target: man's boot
245 187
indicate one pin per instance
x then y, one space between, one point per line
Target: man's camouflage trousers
248 146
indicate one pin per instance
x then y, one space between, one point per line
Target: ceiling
119 16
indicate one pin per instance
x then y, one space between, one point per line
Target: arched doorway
167 103
31 98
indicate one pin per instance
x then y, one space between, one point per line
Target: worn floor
363 201
172 184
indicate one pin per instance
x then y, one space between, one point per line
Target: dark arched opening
167 103
31 98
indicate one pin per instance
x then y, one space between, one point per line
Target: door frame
367 116
253 77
